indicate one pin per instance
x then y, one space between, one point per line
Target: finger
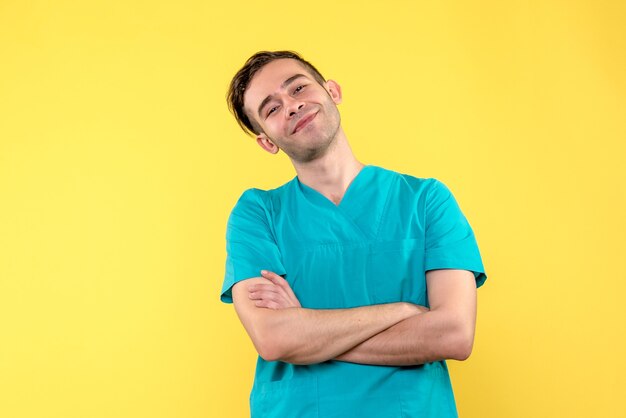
271 287
268 274
276 280
268 286
282 284
266 304
264 295
273 277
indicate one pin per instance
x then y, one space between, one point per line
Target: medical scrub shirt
374 247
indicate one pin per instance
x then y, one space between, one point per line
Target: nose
293 107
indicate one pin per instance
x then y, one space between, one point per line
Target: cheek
273 125
279 126
274 129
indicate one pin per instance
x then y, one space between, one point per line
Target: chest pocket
331 276
395 271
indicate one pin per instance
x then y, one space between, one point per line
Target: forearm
368 335
424 338
306 336
281 329
446 331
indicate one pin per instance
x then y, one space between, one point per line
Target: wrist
413 309
407 309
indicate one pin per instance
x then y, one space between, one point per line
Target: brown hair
240 81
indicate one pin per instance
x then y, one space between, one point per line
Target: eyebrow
282 86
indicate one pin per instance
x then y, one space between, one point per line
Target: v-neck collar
357 183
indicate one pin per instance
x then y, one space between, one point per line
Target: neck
332 173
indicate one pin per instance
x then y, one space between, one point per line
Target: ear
334 90
266 143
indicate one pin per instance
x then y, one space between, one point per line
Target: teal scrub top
374 247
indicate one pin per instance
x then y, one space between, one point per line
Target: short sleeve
250 244
450 241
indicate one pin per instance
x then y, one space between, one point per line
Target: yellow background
119 165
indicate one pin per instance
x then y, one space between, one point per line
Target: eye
297 90
272 110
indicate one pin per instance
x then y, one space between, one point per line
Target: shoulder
250 201
419 185
255 201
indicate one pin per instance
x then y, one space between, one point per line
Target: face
293 111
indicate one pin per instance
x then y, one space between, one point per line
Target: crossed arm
397 334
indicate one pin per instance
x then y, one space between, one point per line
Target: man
354 283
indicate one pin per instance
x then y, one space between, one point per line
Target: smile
303 122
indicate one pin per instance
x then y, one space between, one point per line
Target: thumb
270 275
274 278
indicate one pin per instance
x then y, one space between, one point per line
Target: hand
419 309
275 294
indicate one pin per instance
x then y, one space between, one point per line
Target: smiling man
355 283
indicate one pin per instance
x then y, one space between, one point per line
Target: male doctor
355 283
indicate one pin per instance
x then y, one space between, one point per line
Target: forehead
268 80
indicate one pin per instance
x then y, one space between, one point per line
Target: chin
312 154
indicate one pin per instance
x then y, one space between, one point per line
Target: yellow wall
119 164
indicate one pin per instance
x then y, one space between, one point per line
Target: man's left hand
275 294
